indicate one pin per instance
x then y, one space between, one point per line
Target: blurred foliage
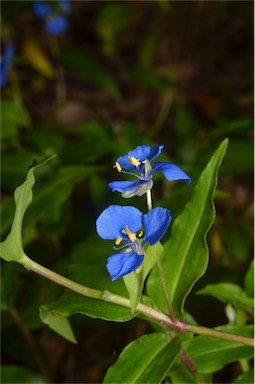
124 74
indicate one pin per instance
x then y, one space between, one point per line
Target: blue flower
127 225
137 163
42 9
55 23
5 63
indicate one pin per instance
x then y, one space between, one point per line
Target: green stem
199 330
149 312
149 200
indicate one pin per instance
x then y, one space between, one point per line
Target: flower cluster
130 228
5 63
55 22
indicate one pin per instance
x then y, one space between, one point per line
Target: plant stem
149 200
190 366
197 329
151 313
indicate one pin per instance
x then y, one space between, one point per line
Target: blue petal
142 152
121 264
115 218
56 25
41 9
122 186
5 63
131 188
155 224
171 171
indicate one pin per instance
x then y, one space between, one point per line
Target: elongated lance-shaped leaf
145 360
11 249
211 354
185 255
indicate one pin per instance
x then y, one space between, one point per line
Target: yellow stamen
118 240
119 169
131 235
134 161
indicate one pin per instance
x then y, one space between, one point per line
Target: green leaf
90 69
245 378
13 115
134 284
135 281
211 354
14 168
145 360
17 374
249 280
229 293
185 255
59 324
56 191
12 248
153 253
179 374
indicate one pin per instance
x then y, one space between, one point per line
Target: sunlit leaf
185 255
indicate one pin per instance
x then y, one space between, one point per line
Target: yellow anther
134 161
131 235
118 240
119 169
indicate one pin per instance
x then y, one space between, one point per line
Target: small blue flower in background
5 63
56 23
137 163
41 9
127 225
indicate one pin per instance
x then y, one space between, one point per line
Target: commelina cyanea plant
179 264
127 225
